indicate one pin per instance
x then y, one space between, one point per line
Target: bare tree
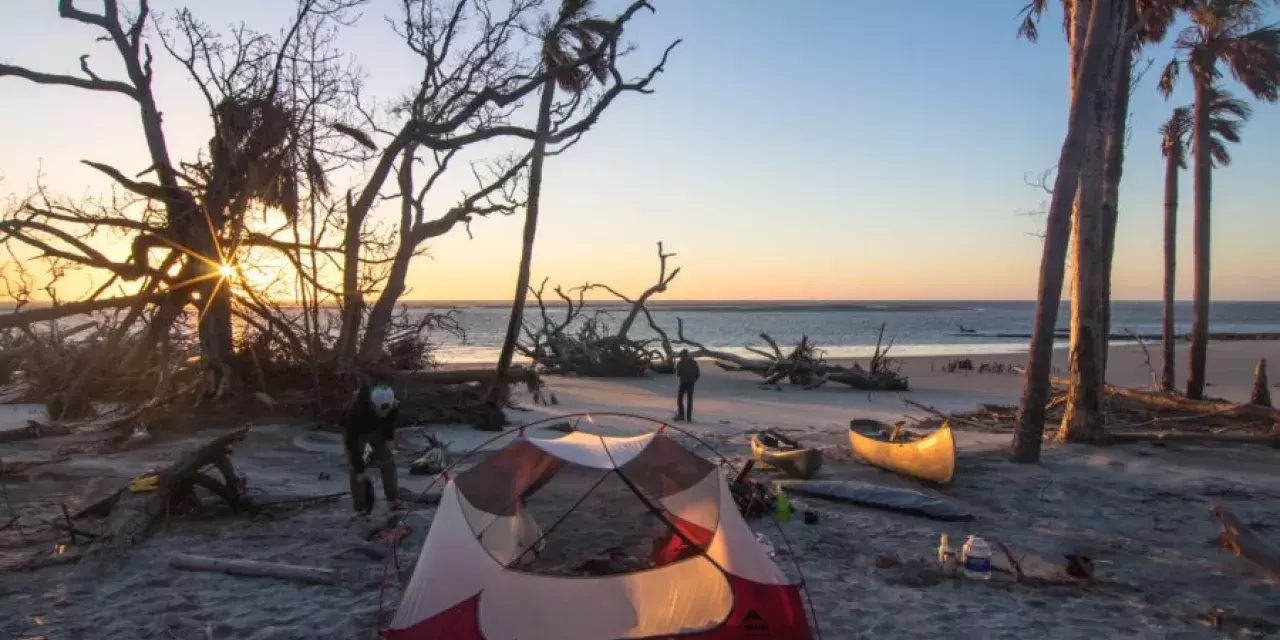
476 76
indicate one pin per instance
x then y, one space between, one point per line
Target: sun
227 272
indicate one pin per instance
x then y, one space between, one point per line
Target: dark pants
381 456
684 401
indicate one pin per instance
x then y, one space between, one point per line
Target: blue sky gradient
800 150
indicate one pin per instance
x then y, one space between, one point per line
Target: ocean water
841 329
845 329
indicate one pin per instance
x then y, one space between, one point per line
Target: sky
818 149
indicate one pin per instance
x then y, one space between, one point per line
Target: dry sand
1142 510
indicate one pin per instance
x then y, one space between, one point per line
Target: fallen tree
1138 415
586 346
132 517
805 365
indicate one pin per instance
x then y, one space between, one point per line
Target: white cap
382 398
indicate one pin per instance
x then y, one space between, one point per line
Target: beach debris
592 348
425 498
886 561
806 366
879 497
1079 566
561 427
766 544
1233 623
753 499
255 568
132 517
144 483
1261 395
1137 415
1244 542
1015 565
433 460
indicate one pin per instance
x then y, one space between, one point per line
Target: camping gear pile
754 499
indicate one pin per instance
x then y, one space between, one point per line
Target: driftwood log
132 517
1172 402
804 365
254 568
1243 542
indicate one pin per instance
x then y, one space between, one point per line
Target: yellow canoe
796 463
931 458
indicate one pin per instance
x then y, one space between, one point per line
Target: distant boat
963 329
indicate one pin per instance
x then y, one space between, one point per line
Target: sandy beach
1141 511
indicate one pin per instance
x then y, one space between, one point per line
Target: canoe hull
932 458
799 463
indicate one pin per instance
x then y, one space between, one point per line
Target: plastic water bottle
944 550
784 507
976 558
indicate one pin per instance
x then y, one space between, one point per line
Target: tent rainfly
707 576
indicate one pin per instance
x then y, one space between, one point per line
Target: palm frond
1223 105
1173 135
1218 153
316 175
355 134
1254 60
1155 17
572 11
577 36
1169 77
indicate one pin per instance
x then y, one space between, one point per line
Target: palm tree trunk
1112 173
1170 268
530 232
1200 291
1081 123
1082 421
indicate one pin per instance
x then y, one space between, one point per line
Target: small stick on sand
1241 541
254 568
1013 562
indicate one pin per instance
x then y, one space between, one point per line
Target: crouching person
370 420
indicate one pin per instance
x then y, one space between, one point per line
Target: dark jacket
687 370
361 419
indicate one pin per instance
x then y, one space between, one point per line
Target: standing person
370 419
687 371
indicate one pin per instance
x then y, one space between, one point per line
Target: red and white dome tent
707 578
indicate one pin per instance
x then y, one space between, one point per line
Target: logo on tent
753 624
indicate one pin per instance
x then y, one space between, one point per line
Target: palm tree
1228 32
1173 145
572 55
1140 22
1227 115
1103 33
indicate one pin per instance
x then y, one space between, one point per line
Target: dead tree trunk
1261 394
